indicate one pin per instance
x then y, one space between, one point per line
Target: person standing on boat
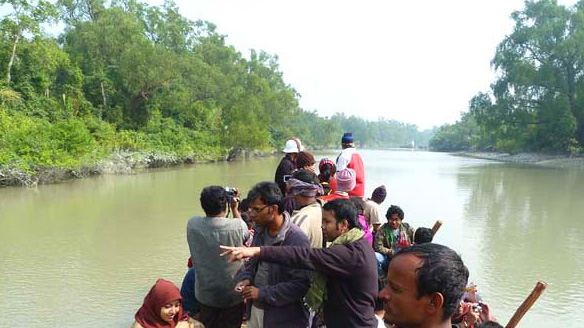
424 286
372 211
287 164
219 305
304 187
344 287
391 238
274 290
350 158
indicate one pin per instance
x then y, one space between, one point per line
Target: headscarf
163 291
298 187
321 168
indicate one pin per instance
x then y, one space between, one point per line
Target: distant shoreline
539 159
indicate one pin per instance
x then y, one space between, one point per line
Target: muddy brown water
84 253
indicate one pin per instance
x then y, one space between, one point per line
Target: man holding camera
214 287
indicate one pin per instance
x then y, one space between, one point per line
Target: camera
477 307
231 192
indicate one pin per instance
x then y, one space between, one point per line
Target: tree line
536 102
126 76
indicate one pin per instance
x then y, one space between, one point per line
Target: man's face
402 305
394 221
329 226
259 213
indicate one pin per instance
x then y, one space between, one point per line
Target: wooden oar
527 304
436 226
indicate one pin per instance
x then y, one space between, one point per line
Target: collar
262 231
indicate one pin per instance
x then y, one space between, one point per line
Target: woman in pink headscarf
162 308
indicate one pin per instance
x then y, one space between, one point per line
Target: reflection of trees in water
532 229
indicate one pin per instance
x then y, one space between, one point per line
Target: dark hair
243 207
213 200
269 193
394 209
359 203
442 271
305 176
327 171
343 210
490 324
423 235
304 158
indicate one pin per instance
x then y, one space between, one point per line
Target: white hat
291 146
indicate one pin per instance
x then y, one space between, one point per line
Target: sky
419 62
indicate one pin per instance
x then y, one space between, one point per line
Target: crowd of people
310 250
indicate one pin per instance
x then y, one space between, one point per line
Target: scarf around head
298 187
163 291
316 295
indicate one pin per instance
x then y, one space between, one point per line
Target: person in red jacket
350 158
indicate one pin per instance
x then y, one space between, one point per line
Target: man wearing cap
287 164
350 158
372 210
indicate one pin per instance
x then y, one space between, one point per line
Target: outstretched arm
335 261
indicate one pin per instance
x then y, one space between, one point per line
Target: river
84 253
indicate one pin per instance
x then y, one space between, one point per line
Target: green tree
26 17
541 83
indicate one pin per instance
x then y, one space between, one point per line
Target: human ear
435 303
345 225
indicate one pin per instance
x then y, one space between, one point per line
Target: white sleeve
343 160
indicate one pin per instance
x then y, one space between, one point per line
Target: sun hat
291 146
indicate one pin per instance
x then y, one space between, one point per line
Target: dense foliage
537 101
126 76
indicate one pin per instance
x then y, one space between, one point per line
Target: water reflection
531 228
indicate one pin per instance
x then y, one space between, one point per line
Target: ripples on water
85 253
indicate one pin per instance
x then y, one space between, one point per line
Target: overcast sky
418 62
414 61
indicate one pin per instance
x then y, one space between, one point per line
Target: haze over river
84 253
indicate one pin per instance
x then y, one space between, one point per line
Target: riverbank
546 160
117 163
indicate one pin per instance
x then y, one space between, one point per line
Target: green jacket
381 243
